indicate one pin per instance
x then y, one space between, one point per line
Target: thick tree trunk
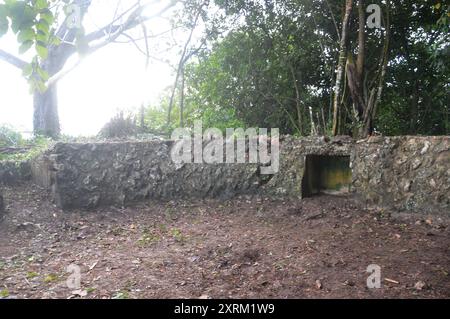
46 118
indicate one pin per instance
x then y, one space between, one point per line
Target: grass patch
4 293
177 235
148 238
90 290
32 274
51 278
123 294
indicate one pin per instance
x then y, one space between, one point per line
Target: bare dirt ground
242 248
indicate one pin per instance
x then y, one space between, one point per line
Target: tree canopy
274 64
305 66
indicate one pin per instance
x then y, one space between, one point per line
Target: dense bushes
120 126
151 125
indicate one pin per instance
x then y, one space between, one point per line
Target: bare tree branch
58 76
183 59
338 32
110 32
113 31
147 47
148 36
13 60
134 42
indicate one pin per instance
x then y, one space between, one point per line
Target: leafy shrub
9 137
120 126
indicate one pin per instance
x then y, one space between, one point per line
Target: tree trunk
341 65
46 119
297 101
385 61
361 41
183 60
377 92
183 82
313 125
414 109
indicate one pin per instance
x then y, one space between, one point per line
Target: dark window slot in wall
326 175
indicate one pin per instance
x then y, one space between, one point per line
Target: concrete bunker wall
384 172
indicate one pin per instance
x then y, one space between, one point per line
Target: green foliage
248 77
416 99
120 126
444 11
156 118
30 21
9 137
194 109
31 148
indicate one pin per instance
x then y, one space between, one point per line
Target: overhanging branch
13 60
112 31
109 34
183 59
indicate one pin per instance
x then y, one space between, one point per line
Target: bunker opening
325 174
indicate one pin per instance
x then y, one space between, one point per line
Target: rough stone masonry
403 173
2 205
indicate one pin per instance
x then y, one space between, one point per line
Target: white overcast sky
113 78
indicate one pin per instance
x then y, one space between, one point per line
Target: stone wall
293 151
403 173
12 173
91 175
2 204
